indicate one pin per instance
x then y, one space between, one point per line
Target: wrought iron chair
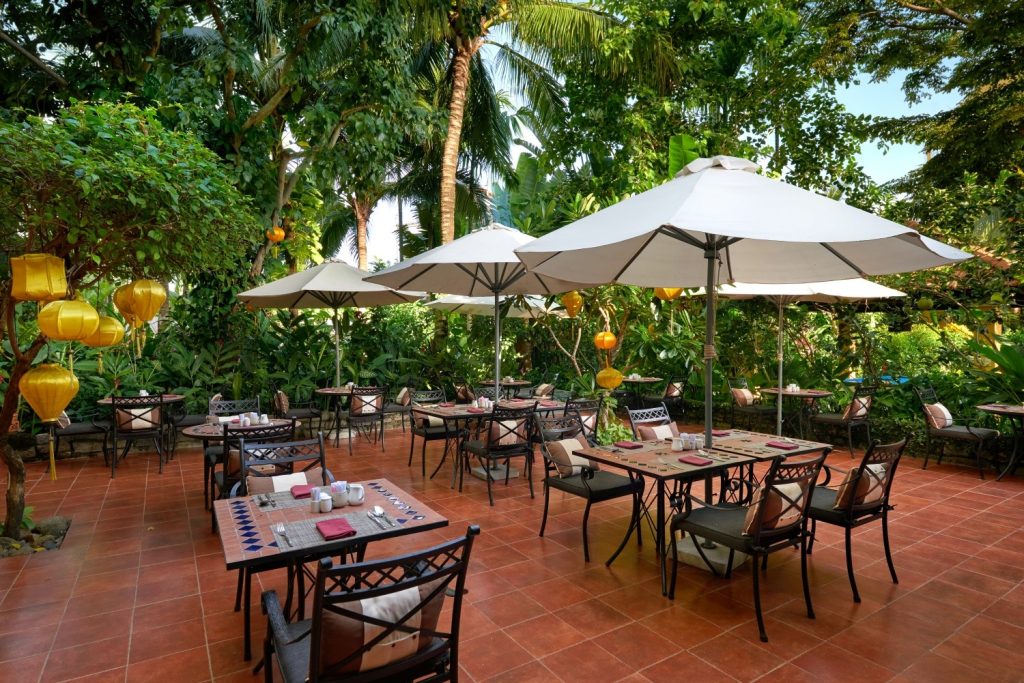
137 418
508 435
84 425
366 415
671 396
577 476
561 394
486 392
400 405
214 454
745 403
588 410
224 479
180 418
305 411
376 621
430 428
861 498
940 425
650 424
856 414
776 519
463 391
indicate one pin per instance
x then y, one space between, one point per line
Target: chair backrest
262 434
558 458
262 460
926 393
779 508
463 391
420 397
588 410
380 613
365 401
138 413
510 429
486 392
740 391
859 407
561 394
220 406
675 388
648 417
867 487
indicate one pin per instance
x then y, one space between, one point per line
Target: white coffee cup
677 443
143 392
340 498
356 494
326 503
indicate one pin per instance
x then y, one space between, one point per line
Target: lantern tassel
99 363
71 360
53 458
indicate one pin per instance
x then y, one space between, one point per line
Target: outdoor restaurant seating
213 453
400 404
774 520
507 434
588 410
180 418
486 392
84 426
463 390
860 498
577 476
137 418
857 413
671 396
366 415
380 620
941 426
429 428
306 412
652 424
745 404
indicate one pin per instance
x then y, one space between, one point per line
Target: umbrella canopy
331 285
483 305
822 292
719 220
480 263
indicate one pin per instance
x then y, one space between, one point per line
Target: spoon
378 512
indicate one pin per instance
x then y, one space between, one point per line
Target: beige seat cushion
742 396
283 482
939 416
561 453
858 408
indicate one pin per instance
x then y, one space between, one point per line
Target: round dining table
807 398
1015 414
335 394
157 398
210 431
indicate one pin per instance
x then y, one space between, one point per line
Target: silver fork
375 519
279 528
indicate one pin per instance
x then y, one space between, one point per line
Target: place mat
279 500
304 534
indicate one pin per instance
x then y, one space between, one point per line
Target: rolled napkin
695 460
720 432
782 444
628 444
475 410
333 529
301 490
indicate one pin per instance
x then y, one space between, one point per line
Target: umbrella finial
722 161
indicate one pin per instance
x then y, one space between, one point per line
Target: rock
54 526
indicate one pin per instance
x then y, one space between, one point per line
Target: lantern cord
53 457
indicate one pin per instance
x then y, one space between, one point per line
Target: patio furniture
214 454
430 428
508 433
561 394
1015 415
463 391
579 477
862 497
377 620
400 405
652 424
671 396
486 392
137 418
856 414
941 426
304 411
745 403
261 463
180 418
85 425
775 520
588 410
334 397
221 406
806 404
366 415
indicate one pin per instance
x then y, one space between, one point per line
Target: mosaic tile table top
657 459
461 411
755 444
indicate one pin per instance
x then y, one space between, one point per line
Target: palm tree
527 38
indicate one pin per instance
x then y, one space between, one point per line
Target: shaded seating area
941 428
306 412
745 405
856 415
366 415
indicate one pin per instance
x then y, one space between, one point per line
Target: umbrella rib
845 260
636 254
420 274
516 276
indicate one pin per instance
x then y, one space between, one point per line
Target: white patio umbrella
856 289
531 307
719 211
482 262
331 285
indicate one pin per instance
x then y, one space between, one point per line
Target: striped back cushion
544 390
566 463
657 432
673 389
858 408
403 398
283 482
869 488
129 419
939 416
507 432
464 393
782 507
281 402
742 396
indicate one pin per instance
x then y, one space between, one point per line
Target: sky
883 98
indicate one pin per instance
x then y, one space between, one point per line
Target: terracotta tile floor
139 590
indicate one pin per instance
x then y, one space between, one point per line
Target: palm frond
540 88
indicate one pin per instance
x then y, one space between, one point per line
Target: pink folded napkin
446 405
719 432
333 529
549 404
782 444
695 460
628 444
475 410
301 490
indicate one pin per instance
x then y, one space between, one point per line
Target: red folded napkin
301 490
782 444
446 405
719 432
475 410
628 444
333 529
695 460
549 404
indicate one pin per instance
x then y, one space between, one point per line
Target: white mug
340 498
356 494
326 504
677 443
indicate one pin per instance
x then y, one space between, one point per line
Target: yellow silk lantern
604 340
147 298
109 333
572 302
667 293
38 277
49 388
123 301
68 320
609 378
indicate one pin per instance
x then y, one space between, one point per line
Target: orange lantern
604 340
572 302
68 320
609 378
49 388
668 293
275 234
38 277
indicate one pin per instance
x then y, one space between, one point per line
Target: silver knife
376 521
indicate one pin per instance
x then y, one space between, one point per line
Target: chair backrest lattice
779 509
422 397
234 407
509 429
138 413
365 401
652 417
262 459
868 486
588 411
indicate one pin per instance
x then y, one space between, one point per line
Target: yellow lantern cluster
573 303
668 293
49 388
140 301
38 277
68 320
609 378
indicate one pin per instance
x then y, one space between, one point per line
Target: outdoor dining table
214 431
1015 414
335 394
655 460
637 385
509 386
156 398
268 529
806 397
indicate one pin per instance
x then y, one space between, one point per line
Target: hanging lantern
109 332
604 340
38 277
609 378
275 234
123 302
147 298
68 320
668 293
572 302
49 388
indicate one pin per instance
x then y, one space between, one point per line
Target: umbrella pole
337 352
497 349
711 254
778 397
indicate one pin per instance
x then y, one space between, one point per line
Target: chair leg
885 544
529 473
247 614
814 528
849 438
927 448
803 576
586 541
849 564
544 517
675 568
412 446
977 455
487 471
757 602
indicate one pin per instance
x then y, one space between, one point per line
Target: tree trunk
464 51
11 458
362 210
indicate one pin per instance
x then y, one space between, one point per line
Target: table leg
1011 466
659 535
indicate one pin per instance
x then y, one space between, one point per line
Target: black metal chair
84 426
401 405
856 414
137 418
508 435
671 397
650 424
861 498
366 415
180 418
486 392
746 404
463 391
577 476
941 426
430 428
213 455
304 411
776 519
349 638
588 410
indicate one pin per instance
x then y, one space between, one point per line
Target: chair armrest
277 621
828 470
682 503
